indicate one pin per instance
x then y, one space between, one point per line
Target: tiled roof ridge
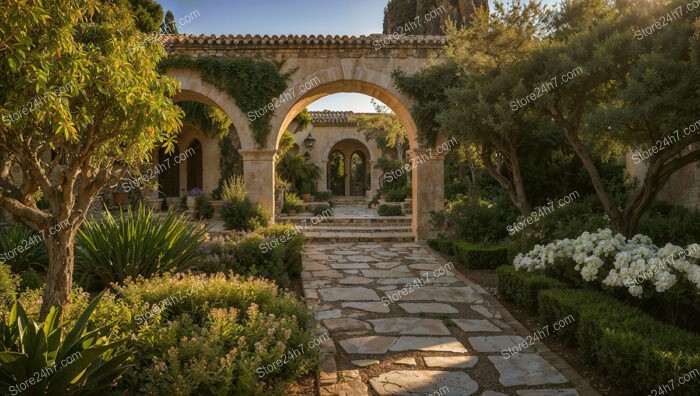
334 117
296 39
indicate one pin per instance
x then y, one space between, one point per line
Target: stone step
386 236
358 228
350 200
310 220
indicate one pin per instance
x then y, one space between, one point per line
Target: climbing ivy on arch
253 83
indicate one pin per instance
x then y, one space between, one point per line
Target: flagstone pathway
439 335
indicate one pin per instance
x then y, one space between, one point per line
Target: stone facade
682 188
336 132
320 66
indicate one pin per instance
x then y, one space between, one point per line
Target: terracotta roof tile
172 39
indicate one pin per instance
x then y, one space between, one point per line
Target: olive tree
81 103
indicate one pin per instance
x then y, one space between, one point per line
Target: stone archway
351 157
258 164
427 178
320 66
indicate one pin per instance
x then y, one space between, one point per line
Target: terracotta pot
119 198
306 197
383 196
374 206
292 212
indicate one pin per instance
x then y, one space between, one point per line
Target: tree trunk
609 206
520 201
59 277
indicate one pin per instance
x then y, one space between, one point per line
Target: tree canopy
80 107
529 78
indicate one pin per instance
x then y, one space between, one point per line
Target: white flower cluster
631 262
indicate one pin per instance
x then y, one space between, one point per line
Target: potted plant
192 198
306 187
323 196
291 204
373 203
119 196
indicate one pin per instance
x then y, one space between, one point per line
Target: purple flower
195 192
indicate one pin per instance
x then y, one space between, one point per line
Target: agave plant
139 243
38 359
22 248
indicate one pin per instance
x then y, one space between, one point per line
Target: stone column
428 178
322 184
376 176
348 173
259 174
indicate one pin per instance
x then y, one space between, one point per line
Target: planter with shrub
323 196
237 211
389 210
323 210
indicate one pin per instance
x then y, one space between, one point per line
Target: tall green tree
81 103
384 127
635 92
480 112
169 26
148 14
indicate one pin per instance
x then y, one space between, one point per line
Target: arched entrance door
336 173
195 174
358 174
169 175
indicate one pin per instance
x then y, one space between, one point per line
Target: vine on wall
253 83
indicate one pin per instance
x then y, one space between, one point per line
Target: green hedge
523 288
442 245
390 210
293 241
634 350
472 256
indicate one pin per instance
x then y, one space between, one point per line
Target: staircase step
354 228
388 236
355 221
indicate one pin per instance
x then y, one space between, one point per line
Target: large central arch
427 176
320 66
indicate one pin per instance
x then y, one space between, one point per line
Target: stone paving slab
444 330
476 325
348 294
442 293
526 369
437 344
370 345
415 308
451 361
412 383
409 326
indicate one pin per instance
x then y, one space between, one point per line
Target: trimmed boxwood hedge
472 256
634 350
523 288
390 210
442 245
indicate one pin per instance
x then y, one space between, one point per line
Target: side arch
193 88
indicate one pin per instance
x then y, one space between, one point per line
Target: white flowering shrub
635 264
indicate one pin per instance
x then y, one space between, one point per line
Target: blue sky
354 17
